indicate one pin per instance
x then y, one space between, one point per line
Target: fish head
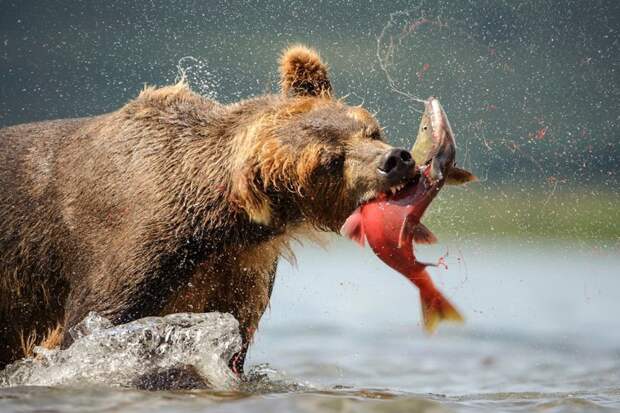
434 152
435 147
423 144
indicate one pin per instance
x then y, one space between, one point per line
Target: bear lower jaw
390 192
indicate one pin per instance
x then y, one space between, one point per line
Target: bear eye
334 164
375 135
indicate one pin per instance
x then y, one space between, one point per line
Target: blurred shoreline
566 213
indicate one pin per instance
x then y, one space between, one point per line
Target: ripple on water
287 397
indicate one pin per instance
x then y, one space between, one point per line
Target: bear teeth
396 188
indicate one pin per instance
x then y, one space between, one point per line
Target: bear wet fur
175 203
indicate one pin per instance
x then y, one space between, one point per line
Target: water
531 89
343 335
120 356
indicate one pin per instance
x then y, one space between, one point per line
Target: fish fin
458 176
426 264
353 228
423 235
405 230
436 308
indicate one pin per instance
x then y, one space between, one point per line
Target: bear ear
302 73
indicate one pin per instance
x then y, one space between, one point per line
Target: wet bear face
314 156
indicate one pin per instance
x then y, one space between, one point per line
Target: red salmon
391 222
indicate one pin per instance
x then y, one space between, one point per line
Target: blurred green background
530 87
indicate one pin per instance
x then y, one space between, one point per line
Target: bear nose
396 164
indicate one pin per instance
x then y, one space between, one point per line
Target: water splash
263 379
388 44
178 350
197 74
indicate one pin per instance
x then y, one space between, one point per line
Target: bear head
311 157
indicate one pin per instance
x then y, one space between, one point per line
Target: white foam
120 355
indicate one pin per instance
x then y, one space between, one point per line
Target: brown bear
177 203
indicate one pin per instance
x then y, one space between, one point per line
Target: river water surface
343 335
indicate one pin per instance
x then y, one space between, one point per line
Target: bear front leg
252 289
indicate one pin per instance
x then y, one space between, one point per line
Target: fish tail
436 308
